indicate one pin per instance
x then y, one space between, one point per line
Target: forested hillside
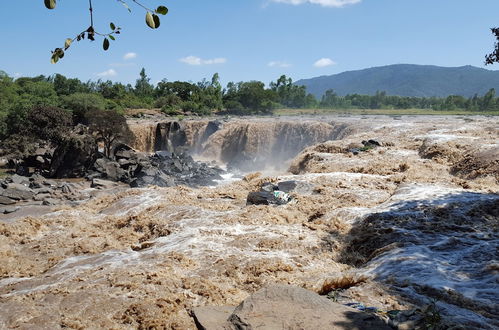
407 80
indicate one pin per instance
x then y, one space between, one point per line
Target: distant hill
407 80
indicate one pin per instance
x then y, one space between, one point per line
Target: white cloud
278 64
324 3
108 73
129 56
323 62
194 60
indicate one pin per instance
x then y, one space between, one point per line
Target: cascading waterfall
251 144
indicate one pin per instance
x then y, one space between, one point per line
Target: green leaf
67 43
112 37
105 45
157 22
162 10
50 4
112 26
57 54
150 21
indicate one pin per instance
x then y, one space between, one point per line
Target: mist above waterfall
243 144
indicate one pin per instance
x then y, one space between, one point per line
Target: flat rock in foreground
285 307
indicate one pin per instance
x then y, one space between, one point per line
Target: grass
389 112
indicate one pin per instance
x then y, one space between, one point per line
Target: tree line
77 98
487 102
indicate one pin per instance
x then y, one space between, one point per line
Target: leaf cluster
90 33
494 56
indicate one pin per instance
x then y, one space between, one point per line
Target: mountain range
407 80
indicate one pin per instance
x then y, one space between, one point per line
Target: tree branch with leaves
152 20
494 56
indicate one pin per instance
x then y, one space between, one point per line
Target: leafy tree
488 101
41 124
152 20
48 123
81 103
142 86
110 90
289 95
182 89
65 86
109 127
252 95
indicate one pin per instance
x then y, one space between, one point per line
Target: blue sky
246 39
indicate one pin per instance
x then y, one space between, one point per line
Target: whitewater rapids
413 220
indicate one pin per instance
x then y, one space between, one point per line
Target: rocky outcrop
17 191
164 169
286 307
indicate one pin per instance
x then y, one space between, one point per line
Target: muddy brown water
390 227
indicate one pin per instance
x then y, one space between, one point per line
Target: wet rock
287 186
153 176
269 187
208 318
287 307
102 184
267 198
123 152
164 154
124 162
114 172
6 200
8 210
52 201
22 170
43 190
371 143
354 151
19 179
260 198
41 197
18 192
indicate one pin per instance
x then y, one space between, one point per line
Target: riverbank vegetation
18 97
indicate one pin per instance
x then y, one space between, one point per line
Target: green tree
81 103
143 88
65 86
49 125
488 100
289 94
109 127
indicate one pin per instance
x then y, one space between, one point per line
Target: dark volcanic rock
261 198
287 186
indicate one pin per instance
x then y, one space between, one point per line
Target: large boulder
286 307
